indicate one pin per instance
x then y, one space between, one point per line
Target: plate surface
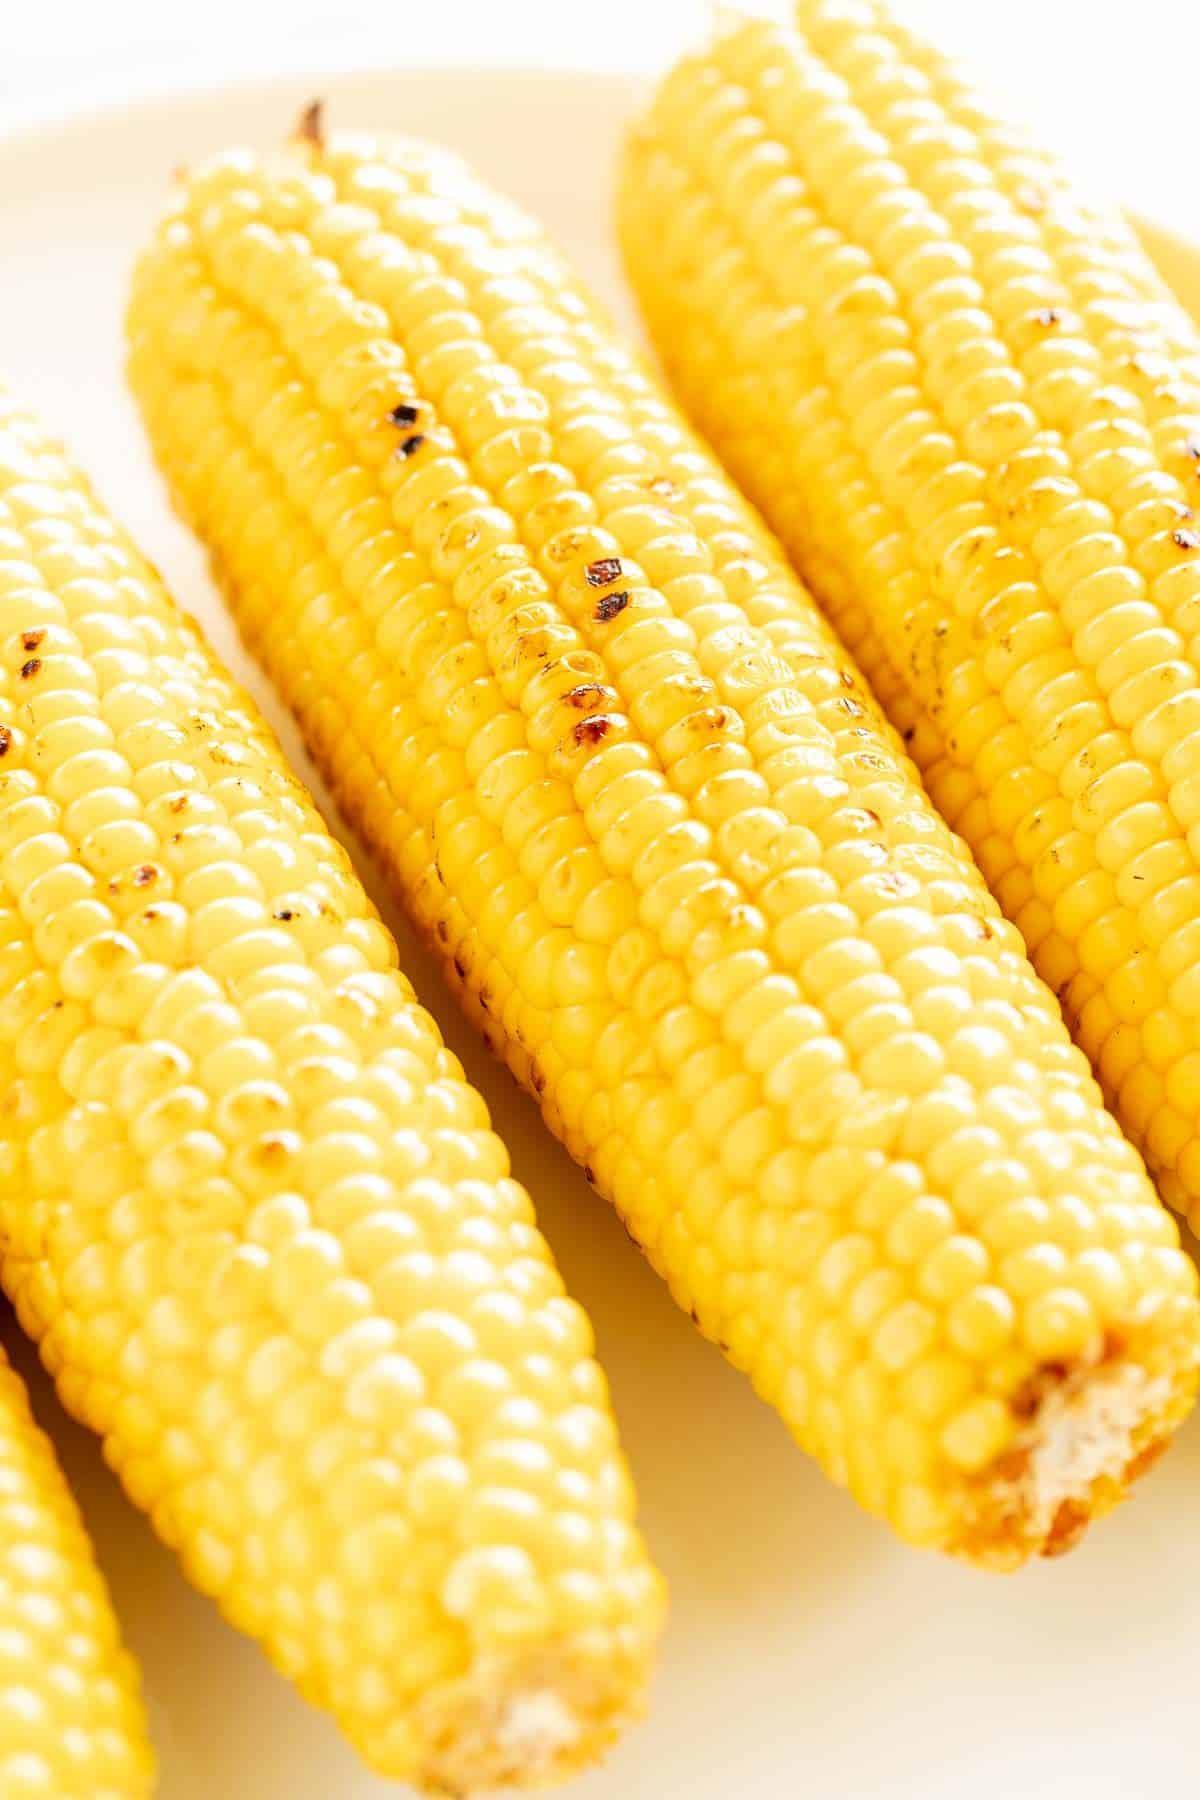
807 1653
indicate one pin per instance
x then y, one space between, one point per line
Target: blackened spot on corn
602 571
485 999
403 414
693 1315
723 1346
1049 315
285 913
411 445
588 694
591 731
1186 540
5 740
460 968
31 639
611 605
30 669
144 874
589 1174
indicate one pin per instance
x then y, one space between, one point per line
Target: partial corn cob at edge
256 1218
667 849
71 1720
966 401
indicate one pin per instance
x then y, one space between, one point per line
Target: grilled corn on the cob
71 1725
671 856
256 1217
968 405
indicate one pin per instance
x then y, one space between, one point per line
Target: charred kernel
591 731
404 413
602 571
724 938
30 640
611 604
410 445
5 740
30 668
1186 540
289 1278
588 695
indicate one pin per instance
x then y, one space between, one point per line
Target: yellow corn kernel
637 798
255 1216
71 1722
962 396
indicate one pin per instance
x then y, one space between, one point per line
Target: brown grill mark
178 803
30 669
144 874
587 694
403 414
590 731
5 740
602 571
31 639
611 605
460 968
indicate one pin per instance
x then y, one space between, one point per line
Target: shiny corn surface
669 852
71 1722
964 399
255 1216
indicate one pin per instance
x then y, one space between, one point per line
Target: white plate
807 1652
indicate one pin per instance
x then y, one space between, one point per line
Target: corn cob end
1085 1433
525 1723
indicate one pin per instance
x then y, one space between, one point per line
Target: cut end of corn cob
672 858
256 1217
527 1724
1086 1434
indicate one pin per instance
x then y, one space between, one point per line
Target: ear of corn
71 1724
966 401
668 850
255 1216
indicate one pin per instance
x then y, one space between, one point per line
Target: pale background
807 1654
1118 78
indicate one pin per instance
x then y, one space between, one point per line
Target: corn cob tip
310 126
